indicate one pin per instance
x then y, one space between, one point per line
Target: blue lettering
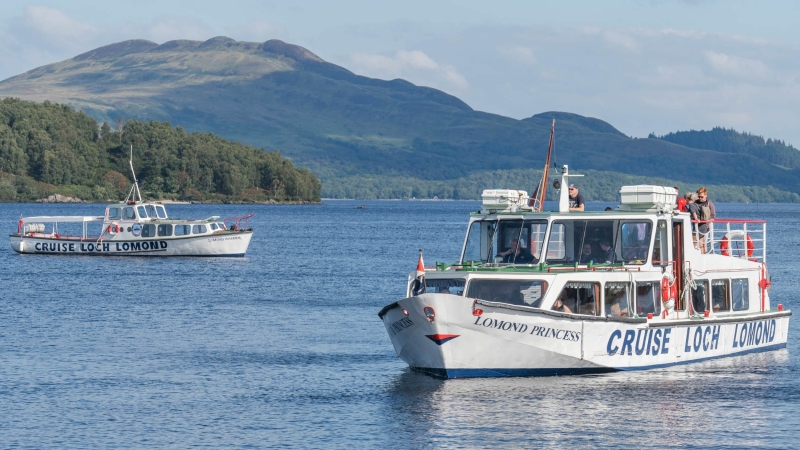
656 341
706 335
751 335
117 244
627 342
136 245
687 347
698 339
649 339
715 337
743 335
735 341
639 349
613 350
126 246
772 330
759 332
665 341
72 247
105 246
163 244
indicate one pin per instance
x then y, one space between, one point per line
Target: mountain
350 129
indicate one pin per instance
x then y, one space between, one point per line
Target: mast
134 192
538 204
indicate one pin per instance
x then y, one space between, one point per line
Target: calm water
284 348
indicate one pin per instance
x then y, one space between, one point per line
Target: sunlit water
284 348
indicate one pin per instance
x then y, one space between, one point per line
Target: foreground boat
557 293
133 228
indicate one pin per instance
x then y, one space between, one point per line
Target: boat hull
221 245
521 341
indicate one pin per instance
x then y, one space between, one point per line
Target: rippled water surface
284 348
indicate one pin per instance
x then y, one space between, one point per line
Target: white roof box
503 200
647 197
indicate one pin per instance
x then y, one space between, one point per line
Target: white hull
521 341
228 244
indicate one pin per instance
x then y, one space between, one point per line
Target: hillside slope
341 125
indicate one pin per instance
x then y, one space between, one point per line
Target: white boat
133 228
661 295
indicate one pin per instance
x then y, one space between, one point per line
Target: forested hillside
725 140
50 148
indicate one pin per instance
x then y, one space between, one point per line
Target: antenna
134 192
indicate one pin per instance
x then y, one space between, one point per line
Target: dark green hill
348 128
49 148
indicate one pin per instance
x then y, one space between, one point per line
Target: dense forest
725 140
49 148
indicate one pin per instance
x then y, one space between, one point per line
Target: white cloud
57 27
738 67
618 39
412 65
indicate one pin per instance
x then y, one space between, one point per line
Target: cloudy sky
642 65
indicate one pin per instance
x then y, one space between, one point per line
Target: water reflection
716 403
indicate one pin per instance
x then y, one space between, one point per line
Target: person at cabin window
618 304
606 255
586 255
706 213
560 303
576 202
516 254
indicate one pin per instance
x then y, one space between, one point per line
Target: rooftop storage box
647 196
504 199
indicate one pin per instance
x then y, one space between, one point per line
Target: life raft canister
739 235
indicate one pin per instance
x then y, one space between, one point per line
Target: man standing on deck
575 199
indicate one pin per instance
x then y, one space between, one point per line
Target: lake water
284 348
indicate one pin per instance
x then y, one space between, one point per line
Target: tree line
47 148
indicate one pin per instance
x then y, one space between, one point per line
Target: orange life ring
724 243
669 291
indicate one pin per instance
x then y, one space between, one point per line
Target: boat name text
399 326
99 247
547 332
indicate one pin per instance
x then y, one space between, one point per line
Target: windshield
599 241
515 292
510 241
162 213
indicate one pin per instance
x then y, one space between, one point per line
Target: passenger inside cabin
605 256
586 255
517 254
617 305
561 302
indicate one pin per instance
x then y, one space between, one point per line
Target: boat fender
736 234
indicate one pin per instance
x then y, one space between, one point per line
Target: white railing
746 239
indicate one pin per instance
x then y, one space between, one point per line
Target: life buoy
739 235
669 290
113 228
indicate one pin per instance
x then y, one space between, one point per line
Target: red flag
418 286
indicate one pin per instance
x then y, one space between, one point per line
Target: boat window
660 254
517 241
182 230
476 240
128 213
162 213
198 229
617 300
515 292
720 296
635 241
648 298
222 226
578 298
151 211
213 227
741 295
113 213
141 211
581 240
556 247
444 286
148 230
165 229
700 296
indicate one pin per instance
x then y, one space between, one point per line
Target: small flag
534 196
418 286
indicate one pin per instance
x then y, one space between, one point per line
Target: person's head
702 194
587 249
605 245
677 191
445 291
608 208
573 190
514 245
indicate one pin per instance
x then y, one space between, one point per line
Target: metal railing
745 239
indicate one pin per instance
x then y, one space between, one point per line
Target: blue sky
642 65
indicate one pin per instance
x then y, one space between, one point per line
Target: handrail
745 242
237 226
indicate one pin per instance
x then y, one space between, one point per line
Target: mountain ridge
339 124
